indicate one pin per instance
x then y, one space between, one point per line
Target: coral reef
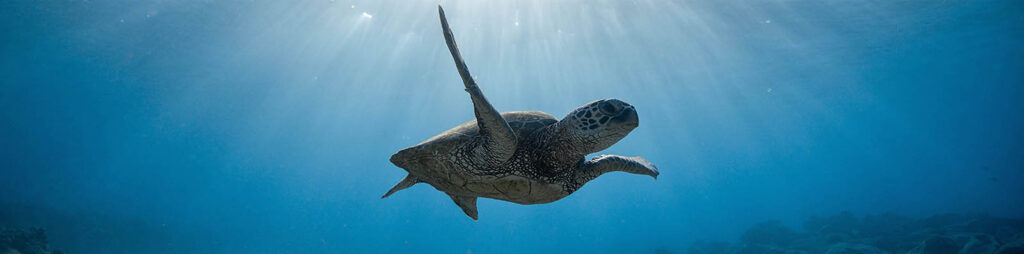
31 241
91 232
883 233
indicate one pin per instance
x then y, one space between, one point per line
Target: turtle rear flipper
468 204
406 182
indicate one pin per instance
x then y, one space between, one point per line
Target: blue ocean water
266 126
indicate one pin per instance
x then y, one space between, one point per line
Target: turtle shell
429 158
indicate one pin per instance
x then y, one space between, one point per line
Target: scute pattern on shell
448 162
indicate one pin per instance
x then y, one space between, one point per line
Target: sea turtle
525 157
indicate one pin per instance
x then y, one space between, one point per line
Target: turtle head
598 125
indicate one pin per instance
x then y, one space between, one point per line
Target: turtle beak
628 118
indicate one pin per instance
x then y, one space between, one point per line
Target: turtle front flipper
607 163
468 204
499 139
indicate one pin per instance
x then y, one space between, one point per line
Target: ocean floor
841 233
30 241
882 233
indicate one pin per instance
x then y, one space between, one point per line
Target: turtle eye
609 108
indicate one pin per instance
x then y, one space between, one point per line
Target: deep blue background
266 126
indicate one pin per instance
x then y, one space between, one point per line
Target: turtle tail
406 182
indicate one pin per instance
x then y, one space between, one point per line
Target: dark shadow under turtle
525 157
